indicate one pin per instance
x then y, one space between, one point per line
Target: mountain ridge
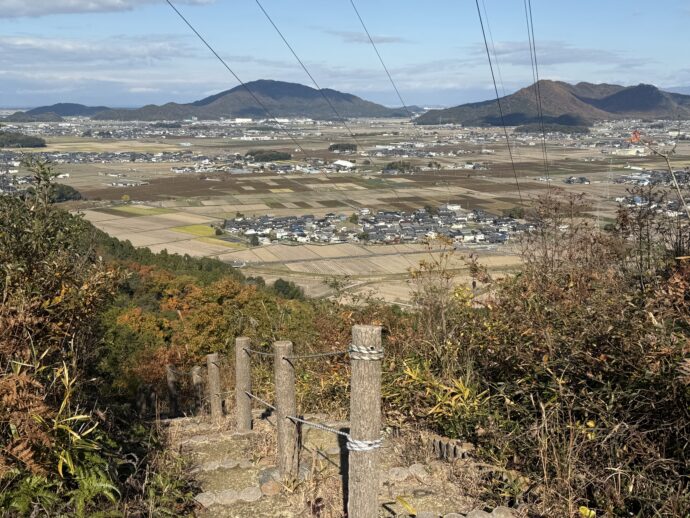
579 104
282 99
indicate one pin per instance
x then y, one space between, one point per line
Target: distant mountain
26 117
55 113
68 110
570 105
282 100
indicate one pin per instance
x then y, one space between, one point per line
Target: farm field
177 212
379 270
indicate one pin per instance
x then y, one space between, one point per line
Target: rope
268 405
315 355
318 426
254 351
355 445
360 352
352 444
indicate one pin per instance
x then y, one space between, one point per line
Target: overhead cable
252 94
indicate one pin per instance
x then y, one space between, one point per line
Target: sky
126 53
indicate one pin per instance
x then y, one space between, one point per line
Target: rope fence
315 355
255 351
364 436
257 398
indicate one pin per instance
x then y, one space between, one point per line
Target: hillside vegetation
572 377
282 99
566 104
19 140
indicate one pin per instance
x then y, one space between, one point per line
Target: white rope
360 352
352 444
355 445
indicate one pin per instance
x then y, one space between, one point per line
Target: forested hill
567 104
282 99
13 139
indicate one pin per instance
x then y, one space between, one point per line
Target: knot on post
362 352
355 445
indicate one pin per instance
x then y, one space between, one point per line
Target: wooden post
365 420
285 406
173 401
213 368
198 384
243 384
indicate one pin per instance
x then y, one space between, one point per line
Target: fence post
213 368
366 353
243 384
285 406
197 383
171 379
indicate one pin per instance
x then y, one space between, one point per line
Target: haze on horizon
130 53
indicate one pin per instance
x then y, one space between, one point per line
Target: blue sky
134 52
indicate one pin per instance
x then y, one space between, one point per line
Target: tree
53 291
254 240
63 192
19 140
288 289
347 147
261 155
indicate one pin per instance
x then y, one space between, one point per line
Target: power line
535 76
498 102
397 92
383 64
516 149
306 70
256 99
268 17
493 48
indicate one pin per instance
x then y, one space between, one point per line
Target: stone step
228 497
234 479
266 507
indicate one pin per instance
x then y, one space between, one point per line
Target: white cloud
142 90
360 37
556 53
34 8
33 51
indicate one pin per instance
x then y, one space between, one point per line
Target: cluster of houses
577 180
385 227
237 129
11 183
672 208
644 178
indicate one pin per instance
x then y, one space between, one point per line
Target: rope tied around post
361 352
352 444
355 445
